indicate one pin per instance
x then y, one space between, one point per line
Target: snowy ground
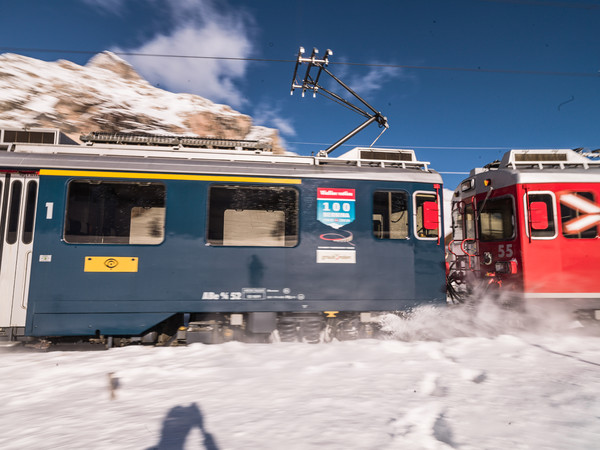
458 378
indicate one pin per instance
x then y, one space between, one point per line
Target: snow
95 84
259 133
467 378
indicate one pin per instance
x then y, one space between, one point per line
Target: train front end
528 226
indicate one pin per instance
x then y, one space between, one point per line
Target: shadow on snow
178 423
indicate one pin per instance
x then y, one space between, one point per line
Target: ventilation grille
535 157
29 137
386 156
184 141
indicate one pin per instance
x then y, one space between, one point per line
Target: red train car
529 225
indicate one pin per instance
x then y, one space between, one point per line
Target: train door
462 263
499 248
18 205
464 244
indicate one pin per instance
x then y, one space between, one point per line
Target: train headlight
506 267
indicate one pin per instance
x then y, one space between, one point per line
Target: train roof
533 166
563 159
30 150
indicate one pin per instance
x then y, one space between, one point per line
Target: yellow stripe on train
166 176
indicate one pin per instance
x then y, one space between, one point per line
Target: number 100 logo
336 207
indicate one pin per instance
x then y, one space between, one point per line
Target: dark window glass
30 204
541 228
29 137
102 212
576 222
469 222
253 216
390 215
458 226
497 219
463 221
423 230
10 136
14 211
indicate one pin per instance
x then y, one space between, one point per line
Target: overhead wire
543 3
274 60
432 147
402 66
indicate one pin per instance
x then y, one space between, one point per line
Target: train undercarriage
218 328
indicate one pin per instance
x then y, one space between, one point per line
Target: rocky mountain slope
108 95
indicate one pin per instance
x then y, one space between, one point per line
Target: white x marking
591 212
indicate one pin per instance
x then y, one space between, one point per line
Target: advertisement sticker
335 206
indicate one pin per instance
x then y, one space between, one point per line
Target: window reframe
415 214
104 239
215 232
480 210
594 198
407 211
527 201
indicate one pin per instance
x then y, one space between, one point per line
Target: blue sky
460 81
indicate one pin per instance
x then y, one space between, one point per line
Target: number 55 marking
505 252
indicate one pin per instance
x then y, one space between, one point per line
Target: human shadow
256 271
177 425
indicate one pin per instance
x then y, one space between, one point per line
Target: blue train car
170 241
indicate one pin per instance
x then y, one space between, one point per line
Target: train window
457 223
390 215
542 212
107 212
13 214
426 208
469 221
497 219
30 203
577 213
463 221
257 216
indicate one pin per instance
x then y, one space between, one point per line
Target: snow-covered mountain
108 95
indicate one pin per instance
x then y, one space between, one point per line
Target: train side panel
82 288
560 254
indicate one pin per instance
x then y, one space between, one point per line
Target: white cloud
365 81
270 116
284 125
198 29
374 79
111 6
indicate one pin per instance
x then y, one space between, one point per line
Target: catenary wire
405 146
156 55
269 60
